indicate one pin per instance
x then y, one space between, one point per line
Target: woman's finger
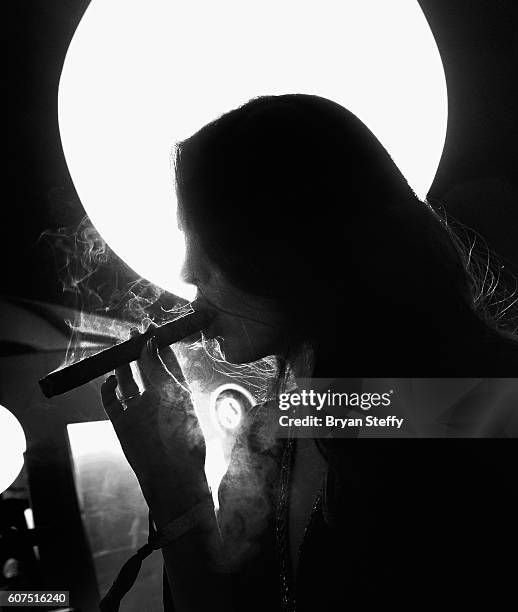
168 358
153 368
111 403
126 383
146 384
170 361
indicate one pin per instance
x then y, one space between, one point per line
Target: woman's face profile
248 327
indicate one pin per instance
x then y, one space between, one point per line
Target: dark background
476 182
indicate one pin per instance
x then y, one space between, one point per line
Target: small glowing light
228 404
29 518
29 521
139 77
12 446
229 412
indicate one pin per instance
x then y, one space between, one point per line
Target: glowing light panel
12 447
139 76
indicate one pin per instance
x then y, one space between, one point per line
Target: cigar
89 368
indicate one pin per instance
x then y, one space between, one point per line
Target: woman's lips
211 329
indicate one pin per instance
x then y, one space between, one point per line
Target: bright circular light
229 412
140 76
228 404
12 447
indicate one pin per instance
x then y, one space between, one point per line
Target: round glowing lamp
228 405
12 447
140 76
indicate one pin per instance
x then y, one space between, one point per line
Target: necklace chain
281 527
287 588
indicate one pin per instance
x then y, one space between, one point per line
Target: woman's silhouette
294 199
308 243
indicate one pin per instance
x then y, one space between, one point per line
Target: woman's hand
159 432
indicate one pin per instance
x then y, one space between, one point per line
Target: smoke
248 492
106 296
108 299
258 377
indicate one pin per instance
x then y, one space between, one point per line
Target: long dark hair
294 198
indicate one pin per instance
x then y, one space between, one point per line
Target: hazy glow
139 76
215 467
95 444
12 447
226 406
95 440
